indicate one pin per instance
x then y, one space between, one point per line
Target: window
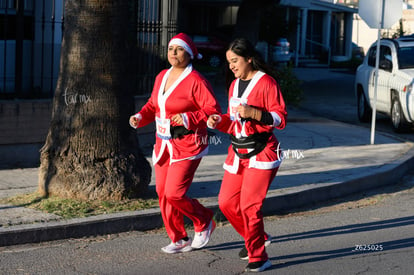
28 5
10 5
385 58
8 27
385 54
406 57
372 55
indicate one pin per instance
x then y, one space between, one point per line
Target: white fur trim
232 169
218 121
200 155
185 120
182 43
139 116
265 165
276 119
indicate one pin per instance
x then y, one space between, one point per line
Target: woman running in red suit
180 103
256 108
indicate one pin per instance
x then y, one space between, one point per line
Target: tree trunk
90 151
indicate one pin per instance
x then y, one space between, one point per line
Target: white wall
364 36
408 21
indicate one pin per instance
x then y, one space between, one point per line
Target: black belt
257 142
179 131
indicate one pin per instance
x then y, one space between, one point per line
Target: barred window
7 4
11 5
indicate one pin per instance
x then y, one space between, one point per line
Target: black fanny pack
179 131
257 142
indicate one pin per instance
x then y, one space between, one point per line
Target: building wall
24 121
408 20
364 36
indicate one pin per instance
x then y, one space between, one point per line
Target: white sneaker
180 246
269 240
201 238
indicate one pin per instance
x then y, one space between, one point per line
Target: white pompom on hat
185 41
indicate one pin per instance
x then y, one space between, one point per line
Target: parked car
212 48
395 82
406 37
281 53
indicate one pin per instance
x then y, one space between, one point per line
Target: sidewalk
323 159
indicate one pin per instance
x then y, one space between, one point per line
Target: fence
156 25
30 40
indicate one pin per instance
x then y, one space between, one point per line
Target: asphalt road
366 234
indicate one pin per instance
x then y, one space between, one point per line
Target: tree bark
90 151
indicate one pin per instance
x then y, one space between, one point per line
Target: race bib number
234 103
163 128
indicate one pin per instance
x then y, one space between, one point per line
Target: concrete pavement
323 159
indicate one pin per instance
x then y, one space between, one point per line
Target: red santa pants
172 182
240 199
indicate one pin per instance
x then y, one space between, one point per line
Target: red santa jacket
192 96
263 92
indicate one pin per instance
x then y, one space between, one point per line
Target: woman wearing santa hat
256 107
180 103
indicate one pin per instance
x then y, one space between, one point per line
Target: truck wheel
399 123
364 110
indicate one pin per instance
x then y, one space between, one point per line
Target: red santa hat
185 41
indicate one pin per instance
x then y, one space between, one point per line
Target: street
338 205
365 234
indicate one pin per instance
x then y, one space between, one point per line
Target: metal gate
30 40
156 25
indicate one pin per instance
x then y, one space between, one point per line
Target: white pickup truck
395 82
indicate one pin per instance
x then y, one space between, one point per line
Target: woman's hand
178 119
247 111
213 120
134 121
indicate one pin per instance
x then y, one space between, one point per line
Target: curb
151 218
